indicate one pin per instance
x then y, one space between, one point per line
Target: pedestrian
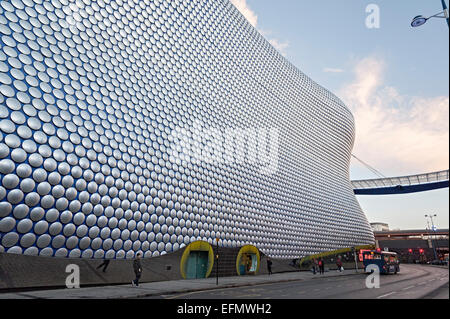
105 264
314 266
339 264
137 269
269 265
321 266
341 268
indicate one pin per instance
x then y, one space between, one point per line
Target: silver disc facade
141 126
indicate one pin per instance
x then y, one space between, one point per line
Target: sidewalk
169 287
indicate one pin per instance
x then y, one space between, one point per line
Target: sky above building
393 77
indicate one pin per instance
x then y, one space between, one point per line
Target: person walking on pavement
339 264
137 270
321 267
314 266
104 264
269 266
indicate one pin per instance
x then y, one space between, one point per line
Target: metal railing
409 180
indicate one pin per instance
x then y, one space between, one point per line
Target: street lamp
421 20
217 260
432 229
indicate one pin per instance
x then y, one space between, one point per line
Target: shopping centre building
146 126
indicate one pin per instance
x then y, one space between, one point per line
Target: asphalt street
413 282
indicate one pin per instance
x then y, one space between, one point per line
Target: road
413 282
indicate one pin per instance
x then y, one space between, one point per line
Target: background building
377 227
414 245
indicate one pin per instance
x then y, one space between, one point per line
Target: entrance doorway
197 265
248 261
197 260
248 264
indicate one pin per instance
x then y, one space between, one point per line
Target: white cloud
395 133
248 13
252 17
332 70
279 45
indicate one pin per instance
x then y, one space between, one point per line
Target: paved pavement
169 287
414 281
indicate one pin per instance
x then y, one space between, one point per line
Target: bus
387 262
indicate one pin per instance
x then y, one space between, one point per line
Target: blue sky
333 34
394 79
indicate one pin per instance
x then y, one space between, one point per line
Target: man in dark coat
269 266
321 266
137 269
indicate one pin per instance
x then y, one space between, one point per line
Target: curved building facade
142 126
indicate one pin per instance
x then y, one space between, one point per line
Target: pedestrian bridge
401 184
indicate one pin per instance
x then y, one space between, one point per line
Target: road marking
408 287
181 295
220 291
253 295
386 295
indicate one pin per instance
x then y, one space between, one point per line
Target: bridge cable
373 170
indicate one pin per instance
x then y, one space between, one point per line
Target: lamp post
355 252
217 261
421 20
432 229
434 232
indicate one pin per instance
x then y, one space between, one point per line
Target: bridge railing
409 180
